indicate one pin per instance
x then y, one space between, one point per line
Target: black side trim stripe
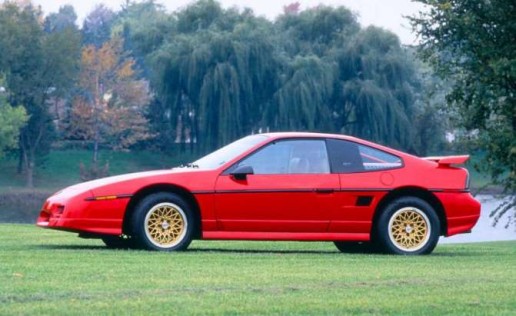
291 190
124 196
203 192
364 190
449 190
267 191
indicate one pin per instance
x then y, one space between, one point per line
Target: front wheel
163 221
408 226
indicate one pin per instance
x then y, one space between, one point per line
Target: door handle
324 191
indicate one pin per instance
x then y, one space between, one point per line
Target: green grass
51 272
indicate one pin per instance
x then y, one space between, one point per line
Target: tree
219 74
472 42
365 84
96 28
315 31
432 119
11 120
144 26
110 107
292 8
64 19
214 76
38 67
301 103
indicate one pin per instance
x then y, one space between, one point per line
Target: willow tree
215 74
220 74
315 31
376 90
301 102
343 79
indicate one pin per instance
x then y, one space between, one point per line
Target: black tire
355 247
408 226
163 221
117 242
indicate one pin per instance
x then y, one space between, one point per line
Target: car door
364 180
291 189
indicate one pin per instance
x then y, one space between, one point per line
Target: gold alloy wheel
409 229
165 225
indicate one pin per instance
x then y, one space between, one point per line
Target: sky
388 14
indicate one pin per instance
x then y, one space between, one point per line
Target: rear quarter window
350 157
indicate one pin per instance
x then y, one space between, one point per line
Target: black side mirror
241 172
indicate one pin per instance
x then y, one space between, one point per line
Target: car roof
280 135
307 134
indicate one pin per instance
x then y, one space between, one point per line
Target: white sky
384 13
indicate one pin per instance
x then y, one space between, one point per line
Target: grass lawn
51 272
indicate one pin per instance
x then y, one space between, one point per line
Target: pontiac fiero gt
277 186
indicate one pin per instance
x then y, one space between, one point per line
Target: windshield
228 152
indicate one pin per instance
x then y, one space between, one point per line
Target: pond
484 230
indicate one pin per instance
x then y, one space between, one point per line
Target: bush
21 206
93 172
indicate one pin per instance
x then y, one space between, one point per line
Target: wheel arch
162 187
418 192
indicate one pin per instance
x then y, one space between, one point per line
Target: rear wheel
408 226
163 221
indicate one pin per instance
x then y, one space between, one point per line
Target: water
484 230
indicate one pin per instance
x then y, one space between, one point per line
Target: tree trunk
98 93
20 159
30 176
28 159
95 152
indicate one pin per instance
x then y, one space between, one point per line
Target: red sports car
278 186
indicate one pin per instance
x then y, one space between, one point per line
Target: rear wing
446 161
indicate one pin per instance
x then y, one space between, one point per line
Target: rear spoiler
448 160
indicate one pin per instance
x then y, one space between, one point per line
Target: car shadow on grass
261 251
195 250
190 250
70 247
329 252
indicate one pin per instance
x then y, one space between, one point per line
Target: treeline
203 76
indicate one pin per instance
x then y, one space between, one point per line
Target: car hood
89 186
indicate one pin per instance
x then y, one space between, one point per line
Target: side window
290 157
350 157
375 159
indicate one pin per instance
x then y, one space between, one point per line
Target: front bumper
77 214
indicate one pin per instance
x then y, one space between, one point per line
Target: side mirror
241 172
